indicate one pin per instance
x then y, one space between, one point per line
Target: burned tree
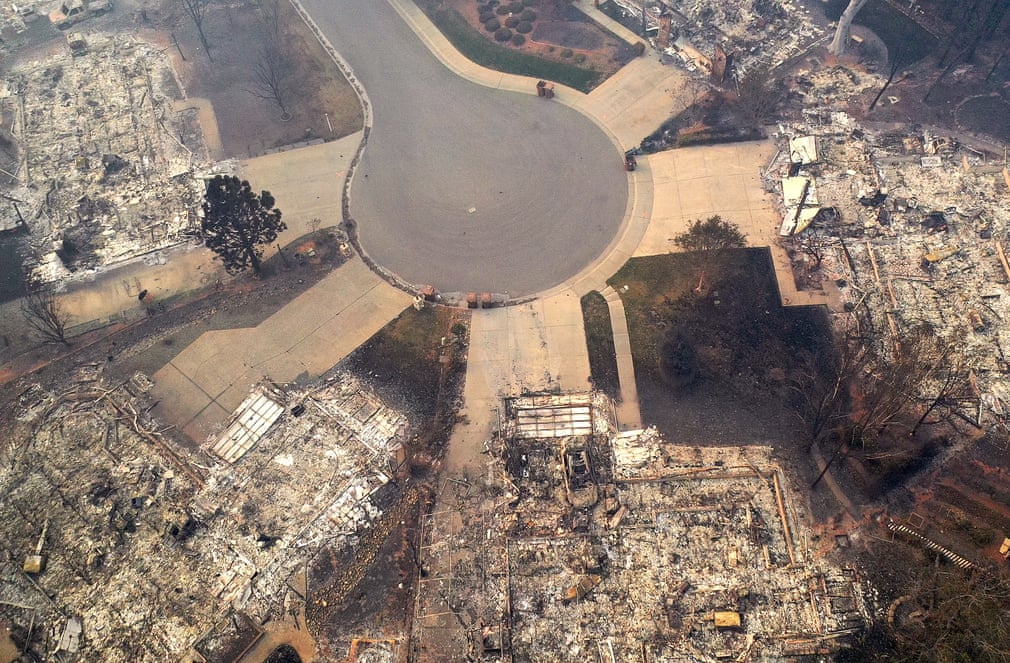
758 94
273 69
45 314
237 222
820 389
815 247
844 28
868 398
197 10
895 60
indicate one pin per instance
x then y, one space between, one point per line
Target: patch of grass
709 338
475 47
403 356
734 319
600 343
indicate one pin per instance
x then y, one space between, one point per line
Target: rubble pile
766 32
915 230
623 547
754 32
107 165
16 18
156 550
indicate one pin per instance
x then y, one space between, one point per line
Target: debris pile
621 546
910 222
122 545
106 163
701 34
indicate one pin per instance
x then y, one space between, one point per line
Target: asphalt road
546 185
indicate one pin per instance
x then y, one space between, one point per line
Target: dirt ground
321 102
558 27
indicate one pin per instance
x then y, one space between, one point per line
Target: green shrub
486 52
515 7
518 40
511 22
492 25
486 16
502 34
638 49
528 15
524 27
529 3
579 58
566 52
502 10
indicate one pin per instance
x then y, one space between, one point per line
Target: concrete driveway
697 182
463 186
204 383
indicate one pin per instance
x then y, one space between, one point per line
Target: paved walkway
534 346
204 383
629 416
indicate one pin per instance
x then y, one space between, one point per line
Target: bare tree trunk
994 66
272 70
943 74
887 83
44 313
841 38
197 10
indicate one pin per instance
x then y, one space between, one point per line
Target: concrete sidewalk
697 182
204 383
629 415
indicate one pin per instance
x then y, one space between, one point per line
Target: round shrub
502 34
511 22
528 15
487 16
515 7
492 25
518 40
579 57
524 27
566 52
502 10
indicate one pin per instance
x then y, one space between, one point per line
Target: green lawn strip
600 343
650 281
488 54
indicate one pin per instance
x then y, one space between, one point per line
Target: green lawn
734 321
488 54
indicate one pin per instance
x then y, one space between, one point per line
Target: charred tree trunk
844 29
887 83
